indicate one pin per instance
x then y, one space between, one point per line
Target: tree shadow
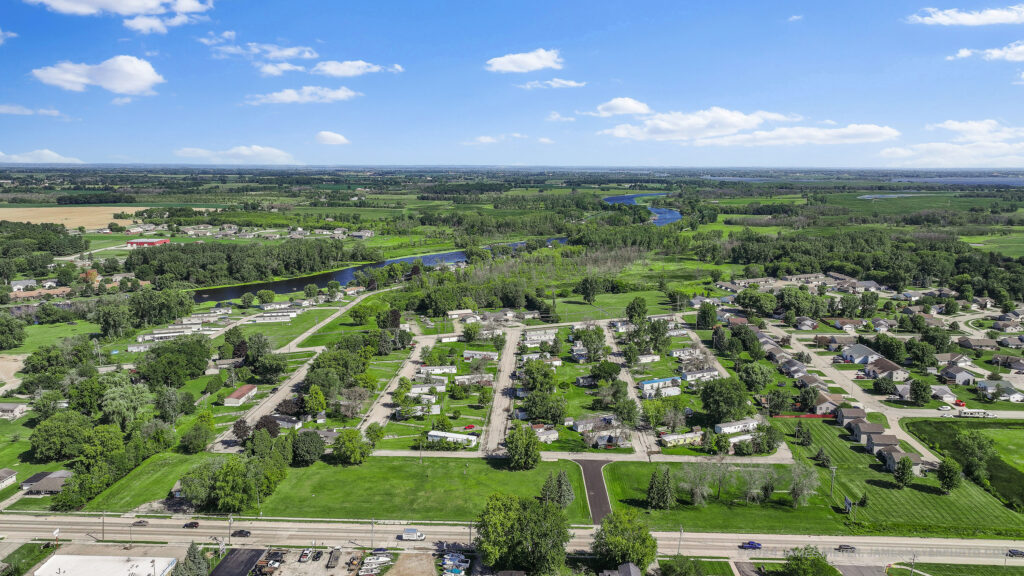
884 484
926 489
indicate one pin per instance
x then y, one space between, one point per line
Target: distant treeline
100 198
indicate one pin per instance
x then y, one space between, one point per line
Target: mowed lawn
958 570
920 509
40 334
402 488
150 481
281 333
574 309
1009 445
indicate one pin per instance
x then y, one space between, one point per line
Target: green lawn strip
26 556
878 418
281 333
31 503
38 335
152 480
574 309
453 489
959 569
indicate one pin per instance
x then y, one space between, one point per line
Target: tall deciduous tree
625 537
523 448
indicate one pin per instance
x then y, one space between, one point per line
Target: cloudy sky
575 83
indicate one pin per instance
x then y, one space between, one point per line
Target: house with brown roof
878 441
885 368
860 430
846 416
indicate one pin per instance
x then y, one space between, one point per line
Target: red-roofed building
147 242
240 396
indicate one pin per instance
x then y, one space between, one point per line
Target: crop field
72 217
452 489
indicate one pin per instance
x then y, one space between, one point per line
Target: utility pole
913 563
832 486
373 523
103 525
679 546
230 519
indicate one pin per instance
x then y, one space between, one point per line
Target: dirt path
10 364
501 415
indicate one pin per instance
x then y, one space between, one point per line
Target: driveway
597 493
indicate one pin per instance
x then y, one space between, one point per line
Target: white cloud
620 106
212 39
498 138
37 157
19 110
539 59
222 48
553 83
798 135
975 144
121 100
6 35
304 95
957 17
278 68
48 112
120 75
556 117
1013 52
147 16
543 140
331 138
713 122
795 18
351 68
238 155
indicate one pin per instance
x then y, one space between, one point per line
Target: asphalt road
597 493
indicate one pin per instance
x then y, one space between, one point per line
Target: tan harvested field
70 216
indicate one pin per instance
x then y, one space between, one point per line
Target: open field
38 335
151 481
70 216
957 570
920 509
402 488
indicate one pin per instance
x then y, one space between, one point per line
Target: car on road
750 545
947 415
846 548
945 408
140 523
412 534
192 524
1015 553
241 534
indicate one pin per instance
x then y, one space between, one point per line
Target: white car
945 408
460 563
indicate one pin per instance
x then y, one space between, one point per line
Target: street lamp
679 546
832 486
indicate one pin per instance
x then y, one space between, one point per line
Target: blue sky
325 82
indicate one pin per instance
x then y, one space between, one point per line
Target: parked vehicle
413 534
304 557
140 523
317 556
334 558
945 408
846 548
750 545
380 551
460 563
192 524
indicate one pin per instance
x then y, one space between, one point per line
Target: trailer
334 558
972 413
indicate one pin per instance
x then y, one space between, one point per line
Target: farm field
72 217
452 489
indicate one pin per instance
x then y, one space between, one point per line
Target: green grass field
402 488
920 509
281 333
41 334
574 309
958 570
26 556
151 481
15 451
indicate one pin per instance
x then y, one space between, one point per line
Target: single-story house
878 441
287 422
22 285
793 368
663 392
700 375
745 425
12 410
825 403
1012 341
240 396
805 323
442 369
464 439
647 358
688 438
468 355
943 394
545 434
861 429
1007 361
1011 327
52 483
838 341
811 381
845 416
1000 390
893 456
7 477
657 383
595 422
883 368
978 343
859 354
957 375
953 359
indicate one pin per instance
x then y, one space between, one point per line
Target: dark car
241 533
317 556
192 524
379 551
750 545
846 548
1014 553
140 523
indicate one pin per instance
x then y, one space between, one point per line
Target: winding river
662 216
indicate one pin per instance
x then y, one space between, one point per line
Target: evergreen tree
194 563
659 491
549 491
566 495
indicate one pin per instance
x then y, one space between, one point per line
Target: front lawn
150 481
